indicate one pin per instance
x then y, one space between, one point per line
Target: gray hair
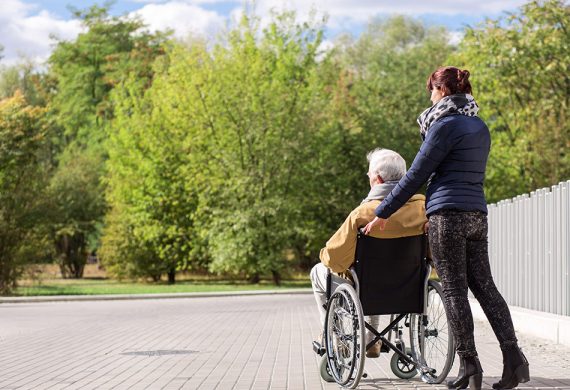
387 164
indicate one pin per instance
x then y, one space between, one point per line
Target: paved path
247 342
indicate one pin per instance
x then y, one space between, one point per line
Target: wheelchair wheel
431 338
324 369
344 337
402 369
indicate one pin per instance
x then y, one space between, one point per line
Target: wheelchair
390 277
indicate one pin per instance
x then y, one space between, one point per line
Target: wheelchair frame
416 321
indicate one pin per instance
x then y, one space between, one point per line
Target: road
240 342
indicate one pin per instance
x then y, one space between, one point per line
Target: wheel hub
431 332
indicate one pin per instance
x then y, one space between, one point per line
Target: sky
28 27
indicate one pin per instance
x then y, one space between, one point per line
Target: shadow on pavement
535 383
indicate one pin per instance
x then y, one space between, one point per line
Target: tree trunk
254 279
72 255
172 276
276 278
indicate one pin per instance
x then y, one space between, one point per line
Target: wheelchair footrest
318 348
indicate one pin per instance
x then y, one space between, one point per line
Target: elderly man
385 169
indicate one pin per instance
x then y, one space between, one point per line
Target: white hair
387 164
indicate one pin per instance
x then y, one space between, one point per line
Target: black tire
344 337
324 369
431 338
402 369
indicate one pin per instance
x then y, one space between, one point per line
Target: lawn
95 283
106 286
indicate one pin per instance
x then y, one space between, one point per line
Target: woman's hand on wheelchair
380 222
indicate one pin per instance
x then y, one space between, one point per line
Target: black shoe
515 369
470 373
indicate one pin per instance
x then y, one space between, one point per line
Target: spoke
430 353
343 343
435 346
441 313
339 338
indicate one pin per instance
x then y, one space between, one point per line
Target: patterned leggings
458 243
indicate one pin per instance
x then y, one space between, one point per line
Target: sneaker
374 350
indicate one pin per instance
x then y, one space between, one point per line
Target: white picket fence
529 249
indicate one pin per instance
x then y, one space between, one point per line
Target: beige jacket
409 220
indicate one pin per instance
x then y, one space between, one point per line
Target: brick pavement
242 342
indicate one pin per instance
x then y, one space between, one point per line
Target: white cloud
324 48
25 27
363 9
344 14
193 2
25 31
182 17
455 37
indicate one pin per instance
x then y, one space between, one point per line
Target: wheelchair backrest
391 274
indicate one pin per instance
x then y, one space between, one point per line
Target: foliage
242 157
259 103
22 135
388 66
231 149
89 67
218 150
122 254
521 66
86 70
77 201
25 78
148 188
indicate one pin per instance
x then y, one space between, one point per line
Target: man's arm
338 253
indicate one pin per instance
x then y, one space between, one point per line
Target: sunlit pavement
240 342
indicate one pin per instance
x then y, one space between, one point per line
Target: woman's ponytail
463 80
450 80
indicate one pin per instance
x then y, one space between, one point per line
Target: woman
453 156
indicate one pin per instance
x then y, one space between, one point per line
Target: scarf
463 104
380 191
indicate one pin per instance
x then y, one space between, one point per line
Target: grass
97 284
106 286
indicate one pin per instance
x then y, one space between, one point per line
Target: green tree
388 66
258 100
520 66
253 152
225 141
86 70
125 255
376 89
76 201
25 78
149 189
22 138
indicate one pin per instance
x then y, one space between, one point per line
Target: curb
552 327
122 297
